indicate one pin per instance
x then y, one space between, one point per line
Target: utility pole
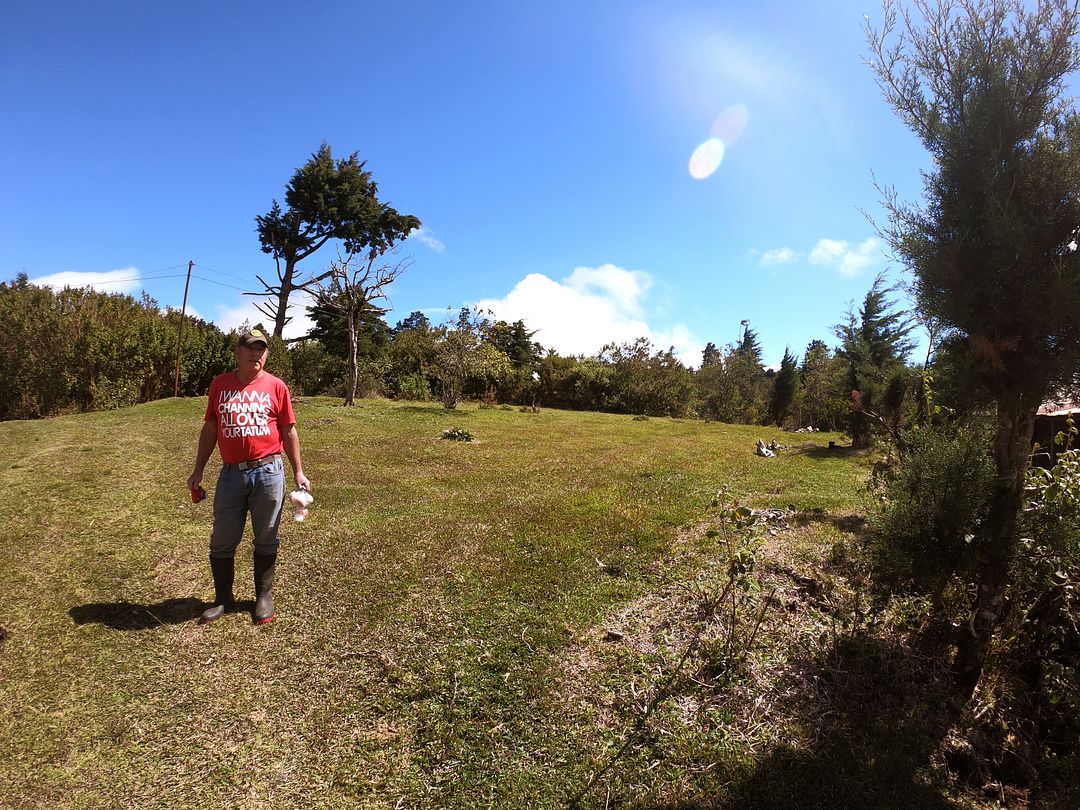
180 336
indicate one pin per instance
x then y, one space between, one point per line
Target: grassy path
427 609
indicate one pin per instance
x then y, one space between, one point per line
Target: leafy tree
325 199
711 355
415 321
733 387
515 341
589 385
316 370
875 344
77 350
461 357
412 356
992 247
646 382
570 382
206 352
785 385
716 394
823 395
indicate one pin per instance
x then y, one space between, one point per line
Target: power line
219 283
222 272
171 267
123 280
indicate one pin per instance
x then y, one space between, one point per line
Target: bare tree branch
350 286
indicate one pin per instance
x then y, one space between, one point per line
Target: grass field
499 623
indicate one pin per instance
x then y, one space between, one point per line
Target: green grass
441 613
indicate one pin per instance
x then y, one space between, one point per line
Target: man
249 417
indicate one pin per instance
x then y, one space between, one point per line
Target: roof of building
1059 408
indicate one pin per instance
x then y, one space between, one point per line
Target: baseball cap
253 337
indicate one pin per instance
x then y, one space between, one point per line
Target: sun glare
706 158
731 123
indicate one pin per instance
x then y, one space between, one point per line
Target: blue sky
547 149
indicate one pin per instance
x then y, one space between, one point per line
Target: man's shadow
133 616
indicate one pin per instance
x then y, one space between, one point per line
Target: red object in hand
198 494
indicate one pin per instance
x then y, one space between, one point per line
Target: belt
259 462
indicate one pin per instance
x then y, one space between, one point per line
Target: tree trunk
1012 447
281 314
860 431
350 388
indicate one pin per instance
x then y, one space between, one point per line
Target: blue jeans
260 492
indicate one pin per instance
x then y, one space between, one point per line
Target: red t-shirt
250 418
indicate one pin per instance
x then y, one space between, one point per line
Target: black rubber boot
264 587
224 571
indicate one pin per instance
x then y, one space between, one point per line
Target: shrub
930 507
1042 630
315 370
78 350
414 386
457 434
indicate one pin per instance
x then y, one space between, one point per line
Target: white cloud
426 237
624 287
232 317
687 347
784 255
847 259
827 251
589 308
125 280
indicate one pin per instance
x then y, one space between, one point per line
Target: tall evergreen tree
785 384
711 355
515 341
983 85
733 387
749 346
415 320
325 199
875 344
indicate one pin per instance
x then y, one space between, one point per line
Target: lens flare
706 158
731 123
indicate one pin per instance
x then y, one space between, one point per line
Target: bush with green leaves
930 505
316 371
1041 633
414 386
646 381
79 350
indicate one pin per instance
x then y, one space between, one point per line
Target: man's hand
302 481
195 479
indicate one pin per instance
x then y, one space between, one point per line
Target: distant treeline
80 350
